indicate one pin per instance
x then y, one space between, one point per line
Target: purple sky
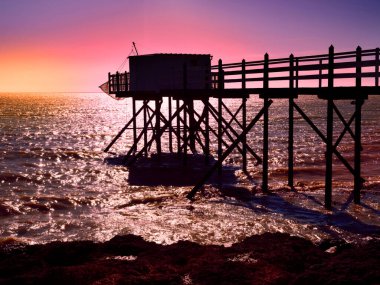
71 45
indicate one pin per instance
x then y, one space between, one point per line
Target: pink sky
71 45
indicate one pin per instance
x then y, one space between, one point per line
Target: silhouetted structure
282 78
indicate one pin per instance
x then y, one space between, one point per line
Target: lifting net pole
105 86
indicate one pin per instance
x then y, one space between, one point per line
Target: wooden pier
188 127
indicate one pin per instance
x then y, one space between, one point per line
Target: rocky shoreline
262 259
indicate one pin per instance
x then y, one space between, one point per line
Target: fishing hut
181 81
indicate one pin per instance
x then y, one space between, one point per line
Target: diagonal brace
228 151
322 136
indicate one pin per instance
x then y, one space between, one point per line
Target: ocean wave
8 210
43 204
9 177
46 154
298 170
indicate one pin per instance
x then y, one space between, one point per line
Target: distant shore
262 259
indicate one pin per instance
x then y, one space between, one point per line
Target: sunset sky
71 45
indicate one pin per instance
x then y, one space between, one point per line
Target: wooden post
358 117
157 127
185 112
220 133
296 72
377 67
320 74
134 125
178 128
220 113
358 80
171 126
145 103
265 124
357 178
244 116
220 75
192 124
185 128
329 135
207 130
291 126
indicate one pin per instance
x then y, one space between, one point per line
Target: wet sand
261 259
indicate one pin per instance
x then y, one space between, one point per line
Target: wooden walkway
350 76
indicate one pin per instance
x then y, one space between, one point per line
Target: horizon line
51 91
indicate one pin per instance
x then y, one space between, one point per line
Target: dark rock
264 259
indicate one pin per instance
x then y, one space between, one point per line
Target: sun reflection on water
55 184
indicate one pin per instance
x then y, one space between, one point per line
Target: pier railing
349 69
304 71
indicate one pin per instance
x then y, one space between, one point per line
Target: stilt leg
207 131
158 121
329 153
357 178
134 124
244 140
170 128
265 146
220 134
291 144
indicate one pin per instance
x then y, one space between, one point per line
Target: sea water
56 183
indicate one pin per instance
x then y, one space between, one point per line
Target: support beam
358 181
244 117
192 128
145 105
233 115
158 125
220 133
244 139
291 144
207 130
329 153
265 146
170 129
134 122
377 65
358 129
122 131
291 126
201 118
185 132
329 133
220 114
228 151
347 126
324 139
134 146
159 134
178 128
227 127
265 125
